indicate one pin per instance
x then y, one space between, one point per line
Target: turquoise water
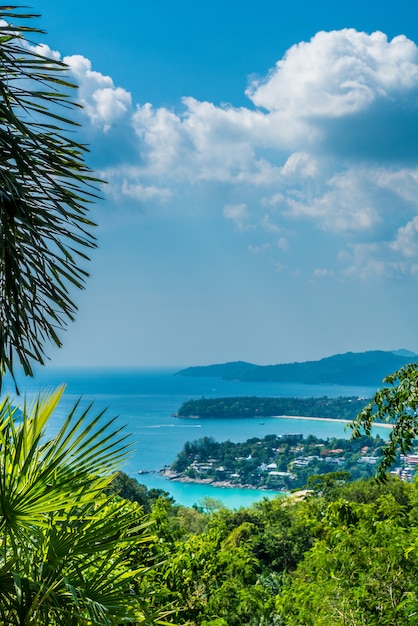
145 401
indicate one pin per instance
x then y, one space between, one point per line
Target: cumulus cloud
338 73
327 144
333 141
203 142
46 51
103 103
342 94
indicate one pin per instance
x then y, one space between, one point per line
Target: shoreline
224 484
291 417
325 419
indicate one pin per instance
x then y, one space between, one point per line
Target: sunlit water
145 401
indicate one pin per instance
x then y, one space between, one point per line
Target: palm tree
45 191
69 554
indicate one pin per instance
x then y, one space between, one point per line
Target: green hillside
351 368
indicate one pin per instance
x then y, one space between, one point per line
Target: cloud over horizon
327 147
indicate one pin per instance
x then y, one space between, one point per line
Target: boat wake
174 426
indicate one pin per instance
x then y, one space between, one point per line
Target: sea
146 400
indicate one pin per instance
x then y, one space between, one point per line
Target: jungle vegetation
342 554
278 462
345 408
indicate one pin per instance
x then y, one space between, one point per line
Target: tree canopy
395 403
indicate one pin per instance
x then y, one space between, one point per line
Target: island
280 462
344 408
352 368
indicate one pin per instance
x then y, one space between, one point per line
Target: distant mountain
228 371
407 353
351 368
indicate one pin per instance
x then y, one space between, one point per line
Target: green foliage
397 404
340 408
130 489
361 570
66 549
45 189
229 572
280 463
327 485
345 558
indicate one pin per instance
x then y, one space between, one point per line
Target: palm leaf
37 479
66 548
45 192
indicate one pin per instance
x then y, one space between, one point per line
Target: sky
261 161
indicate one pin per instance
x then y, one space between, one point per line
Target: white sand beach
325 419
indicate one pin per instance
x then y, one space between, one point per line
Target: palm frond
45 192
67 548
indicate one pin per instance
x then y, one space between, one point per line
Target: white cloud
162 141
268 225
344 93
344 204
126 182
367 261
337 73
406 241
258 249
316 99
238 214
204 142
300 165
402 182
46 51
103 103
283 244
321 272
329 143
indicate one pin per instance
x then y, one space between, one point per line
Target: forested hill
336 408
351 368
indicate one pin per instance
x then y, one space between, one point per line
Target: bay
145 400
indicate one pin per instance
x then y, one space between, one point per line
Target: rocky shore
169 474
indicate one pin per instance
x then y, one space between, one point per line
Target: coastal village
283 462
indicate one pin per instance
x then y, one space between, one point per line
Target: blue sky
262 168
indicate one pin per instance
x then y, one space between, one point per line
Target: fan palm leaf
65 547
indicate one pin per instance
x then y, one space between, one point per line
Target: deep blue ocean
146 399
